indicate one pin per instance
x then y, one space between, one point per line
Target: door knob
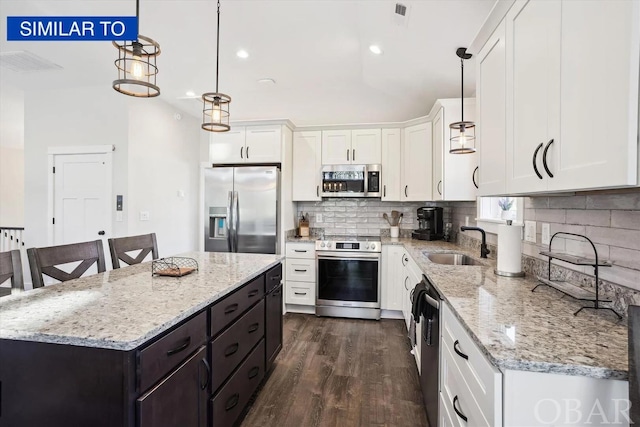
101 233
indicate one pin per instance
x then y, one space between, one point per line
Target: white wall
70 117
164 155
11 156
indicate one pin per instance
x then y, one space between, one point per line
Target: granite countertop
123 308
523 330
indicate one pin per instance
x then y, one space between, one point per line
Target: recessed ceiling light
267 81
375 49
190 93
242 54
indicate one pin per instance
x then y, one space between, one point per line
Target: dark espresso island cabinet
125 349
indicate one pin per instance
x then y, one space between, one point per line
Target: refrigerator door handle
229 222
236 221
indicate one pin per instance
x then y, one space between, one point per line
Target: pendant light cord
218 47
138 17
462 89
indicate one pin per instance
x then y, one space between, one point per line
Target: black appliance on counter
429 224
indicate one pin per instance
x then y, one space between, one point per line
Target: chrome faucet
484 250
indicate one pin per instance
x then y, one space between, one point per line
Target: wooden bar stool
44 261
145 243
11 268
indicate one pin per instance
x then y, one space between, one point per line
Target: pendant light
215 109
462 135
136 65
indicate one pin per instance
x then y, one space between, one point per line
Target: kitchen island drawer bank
88 367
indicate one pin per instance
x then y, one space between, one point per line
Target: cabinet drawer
273 278
301 293
229 403
301 270
234 344
230 308
482 378
156 360
457 395
300 250
180 399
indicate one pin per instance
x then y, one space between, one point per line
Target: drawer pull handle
276 293
254 372
232 349
300 250
180 348
300 293
253 293
455 408
232 402
458 352
254 327
300 271
208 367
276 277
230 309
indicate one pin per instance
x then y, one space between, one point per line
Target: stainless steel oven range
348 277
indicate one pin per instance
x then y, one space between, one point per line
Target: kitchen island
125 348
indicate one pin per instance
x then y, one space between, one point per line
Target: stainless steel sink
452 259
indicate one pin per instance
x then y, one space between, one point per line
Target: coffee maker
429 224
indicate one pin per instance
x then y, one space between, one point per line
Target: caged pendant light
462 135
136 65
215 109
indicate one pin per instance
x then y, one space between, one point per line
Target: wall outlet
119 216
530 231
466 221
144 215
546 235
319 217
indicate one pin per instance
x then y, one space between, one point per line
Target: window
495 210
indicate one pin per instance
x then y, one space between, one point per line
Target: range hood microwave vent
22 61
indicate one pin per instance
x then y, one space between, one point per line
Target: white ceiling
317 51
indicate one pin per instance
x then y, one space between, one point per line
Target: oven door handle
339 256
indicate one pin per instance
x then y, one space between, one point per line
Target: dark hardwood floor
341 372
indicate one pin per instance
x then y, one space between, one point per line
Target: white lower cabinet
392 288
300 274
469 383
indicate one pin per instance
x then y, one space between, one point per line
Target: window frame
490 224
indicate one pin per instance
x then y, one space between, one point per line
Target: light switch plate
144 215
546 235
530 231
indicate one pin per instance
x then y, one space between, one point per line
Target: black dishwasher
429 351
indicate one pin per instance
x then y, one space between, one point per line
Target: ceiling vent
401 15
26 62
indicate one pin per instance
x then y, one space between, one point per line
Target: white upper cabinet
452 173
598 140
227 147
571 71
491 115
533 91
307 166
391 162
344 147
366 147
417 160
246 144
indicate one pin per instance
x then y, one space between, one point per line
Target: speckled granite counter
123 308
523 330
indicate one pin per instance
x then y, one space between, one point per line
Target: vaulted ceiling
317 51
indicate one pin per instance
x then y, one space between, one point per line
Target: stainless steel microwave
351 181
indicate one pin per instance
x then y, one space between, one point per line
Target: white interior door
81 195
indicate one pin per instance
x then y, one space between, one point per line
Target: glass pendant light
136 65
215 109
462 134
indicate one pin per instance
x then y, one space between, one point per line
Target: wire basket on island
174 266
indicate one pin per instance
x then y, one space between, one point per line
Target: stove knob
329 244
322 245
373 246
366 246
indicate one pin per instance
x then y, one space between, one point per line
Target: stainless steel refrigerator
241 209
